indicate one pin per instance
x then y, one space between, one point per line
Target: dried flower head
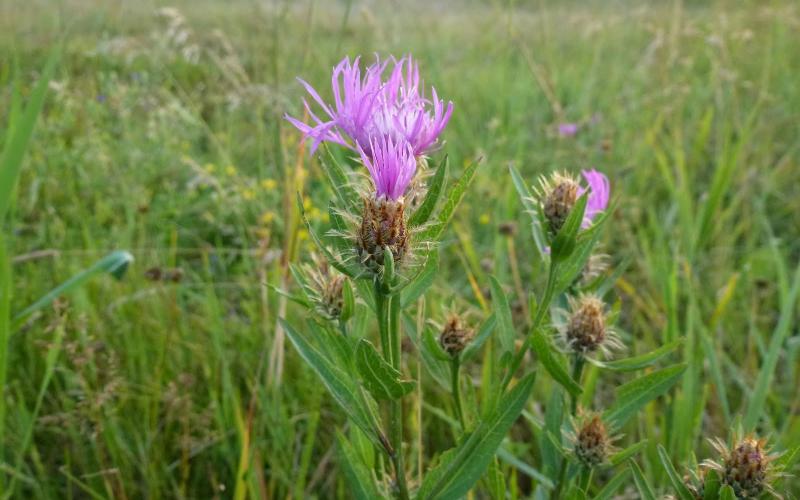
747 467
455 335
595 266
591 442
558 194
367 108
586 330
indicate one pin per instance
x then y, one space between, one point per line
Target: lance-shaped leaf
620 456
115 263
641 482
460 468
433 346
502 311
638 362
346 269
631 397
359 479
674 478
711 485
380 378
727 493
339 383
544 352
423 213
567 238
480 338
527 199
570 268
415 288
613 485
434 231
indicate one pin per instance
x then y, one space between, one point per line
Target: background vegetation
162 135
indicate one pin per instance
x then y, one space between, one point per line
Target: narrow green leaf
638 362
361 485
571 267
380 378
502 311
509 458
544 352
620 456
423 213
677 483
422 281
527 199
711 485
115 263
433 347
565 241
631 397
726 493
613 485
454 196
477 342
20 133
460 468
338 382
339 181
642 484
348 301
388 269
346 269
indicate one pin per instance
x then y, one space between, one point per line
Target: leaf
635 394
338 382
379 377
613 485
454 196
642 484
672 474
727 493
502 311
20 132
620 456
565 241
461 467
423 213
544 352
509 458
433 347
422 281
711 485
477 342
115 263
572 266
339 181
527 199
348 301
755 407
638 362
359 479
346 269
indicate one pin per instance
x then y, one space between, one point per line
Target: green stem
455 367
541 310
577 370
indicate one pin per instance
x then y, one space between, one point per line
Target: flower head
367 108
455 335
586 330
747 467
391 165
567 129
324 288
599 193
591 442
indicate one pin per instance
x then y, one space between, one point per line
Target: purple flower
391 165
567 129
599 193
368 108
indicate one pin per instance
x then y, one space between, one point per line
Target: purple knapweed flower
367 108
599 193
567 129
391 165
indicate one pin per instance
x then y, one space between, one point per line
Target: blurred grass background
162 134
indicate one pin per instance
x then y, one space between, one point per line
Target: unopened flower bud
327 291
586 329
748 467
592 443
558 201
455 335
383 225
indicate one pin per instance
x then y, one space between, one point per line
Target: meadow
161 162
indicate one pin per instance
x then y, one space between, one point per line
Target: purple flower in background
391 165
368 108
599 193
567 129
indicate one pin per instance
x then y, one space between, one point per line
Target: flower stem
577 370
541 309
455 367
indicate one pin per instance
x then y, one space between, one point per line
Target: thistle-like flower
367 108
748 467
591 442
383 223
455 335
558 194
586 330
325 290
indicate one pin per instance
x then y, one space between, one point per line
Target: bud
586 330
328 284
560 196
748 467
455 336
595 266
383 225
592 444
